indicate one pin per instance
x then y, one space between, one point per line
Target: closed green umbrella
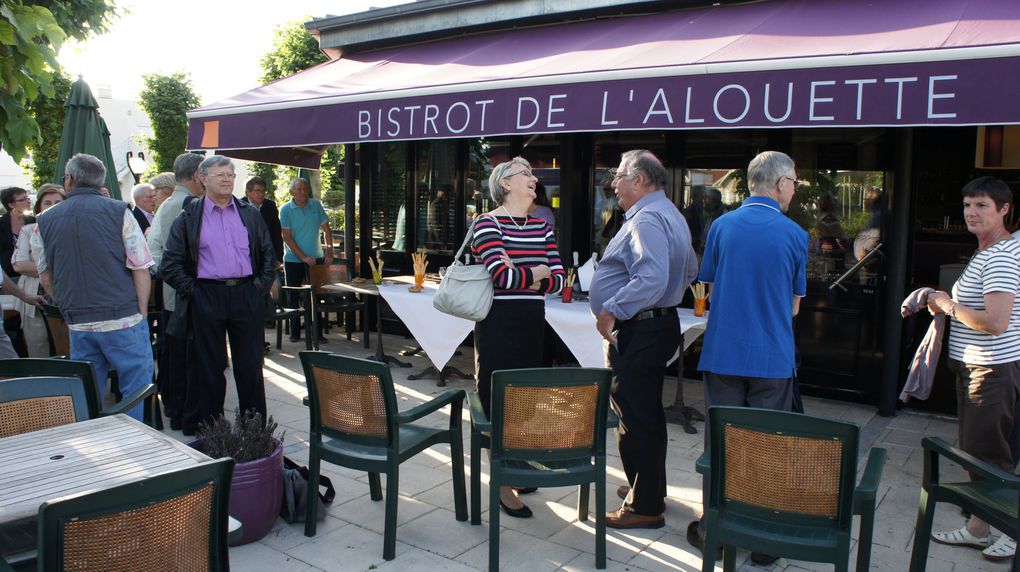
86 132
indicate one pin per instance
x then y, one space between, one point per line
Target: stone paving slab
429 537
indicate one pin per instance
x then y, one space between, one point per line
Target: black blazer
271 215
140 217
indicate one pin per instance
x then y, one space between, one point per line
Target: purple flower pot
256 493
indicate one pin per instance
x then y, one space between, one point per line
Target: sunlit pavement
430 538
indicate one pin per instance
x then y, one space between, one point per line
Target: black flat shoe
523 512
762 559
293 339
525 490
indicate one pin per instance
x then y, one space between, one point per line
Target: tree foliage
49 113
294 50
31 33
166 99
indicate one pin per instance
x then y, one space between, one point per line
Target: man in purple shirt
219 258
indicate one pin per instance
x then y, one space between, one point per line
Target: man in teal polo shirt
300 219
755 260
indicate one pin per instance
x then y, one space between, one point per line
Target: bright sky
218 42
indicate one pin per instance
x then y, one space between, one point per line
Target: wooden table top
70 459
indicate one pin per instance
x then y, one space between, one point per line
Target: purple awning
781 63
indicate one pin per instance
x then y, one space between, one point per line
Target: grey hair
214 161
86 170
644 162
137 190
185 166
500 172
163 181
765 170
297 180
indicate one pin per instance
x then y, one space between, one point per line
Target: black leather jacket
179 267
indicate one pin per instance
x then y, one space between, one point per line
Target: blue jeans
128 351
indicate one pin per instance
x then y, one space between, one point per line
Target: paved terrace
429 538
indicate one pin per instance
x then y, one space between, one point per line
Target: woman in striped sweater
520 253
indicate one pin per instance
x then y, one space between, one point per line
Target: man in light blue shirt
300 219
755 260
644 273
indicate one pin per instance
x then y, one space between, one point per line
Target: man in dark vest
219 259
94 263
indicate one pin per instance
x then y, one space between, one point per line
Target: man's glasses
223 176
791 179
618 174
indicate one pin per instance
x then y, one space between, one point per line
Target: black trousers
173 365
219 311
296 274
510 337
639 368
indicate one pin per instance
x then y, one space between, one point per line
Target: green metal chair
992 496
548 429
783 484
172 521
34 403
355 423
52 367
281 314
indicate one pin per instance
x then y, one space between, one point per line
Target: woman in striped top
520 253
984 346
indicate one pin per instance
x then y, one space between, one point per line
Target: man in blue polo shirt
755 261
300 219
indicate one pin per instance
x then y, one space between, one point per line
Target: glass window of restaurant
435 172
389 194
545 154
841 203
606 216
483 155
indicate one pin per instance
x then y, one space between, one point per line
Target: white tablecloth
575 325
437 333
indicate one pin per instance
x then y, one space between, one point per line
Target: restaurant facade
888 109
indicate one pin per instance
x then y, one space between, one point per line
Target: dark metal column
897 251
350 164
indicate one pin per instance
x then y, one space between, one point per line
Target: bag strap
471 234
324 481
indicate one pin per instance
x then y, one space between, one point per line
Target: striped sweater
994 269
528 246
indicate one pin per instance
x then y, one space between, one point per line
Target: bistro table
438 334
367 288
79 457
574 323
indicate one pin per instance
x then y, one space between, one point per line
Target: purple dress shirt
223 244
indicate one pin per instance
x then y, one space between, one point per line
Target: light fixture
136 165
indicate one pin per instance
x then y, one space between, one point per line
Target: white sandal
1003 549
962 537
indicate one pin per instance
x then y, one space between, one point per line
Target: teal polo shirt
304 223
755 258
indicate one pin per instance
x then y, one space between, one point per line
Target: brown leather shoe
622 491
627 519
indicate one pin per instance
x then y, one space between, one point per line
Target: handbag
466 289
295 493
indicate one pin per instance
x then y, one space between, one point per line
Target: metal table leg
380 355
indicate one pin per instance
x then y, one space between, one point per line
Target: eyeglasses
23 200
223 176
525 172
619 174
791 179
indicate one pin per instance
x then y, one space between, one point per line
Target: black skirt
510 337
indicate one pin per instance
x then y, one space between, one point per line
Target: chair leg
922 532
582 501
374 487
729 558
476 478
493 524
313 477
152 404
459 492
709 550
600 520
864 540
390 531
364 325
279 336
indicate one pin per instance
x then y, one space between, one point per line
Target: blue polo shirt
304 223
755 259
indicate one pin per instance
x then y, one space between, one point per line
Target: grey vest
84 248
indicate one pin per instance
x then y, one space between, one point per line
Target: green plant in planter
246 439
